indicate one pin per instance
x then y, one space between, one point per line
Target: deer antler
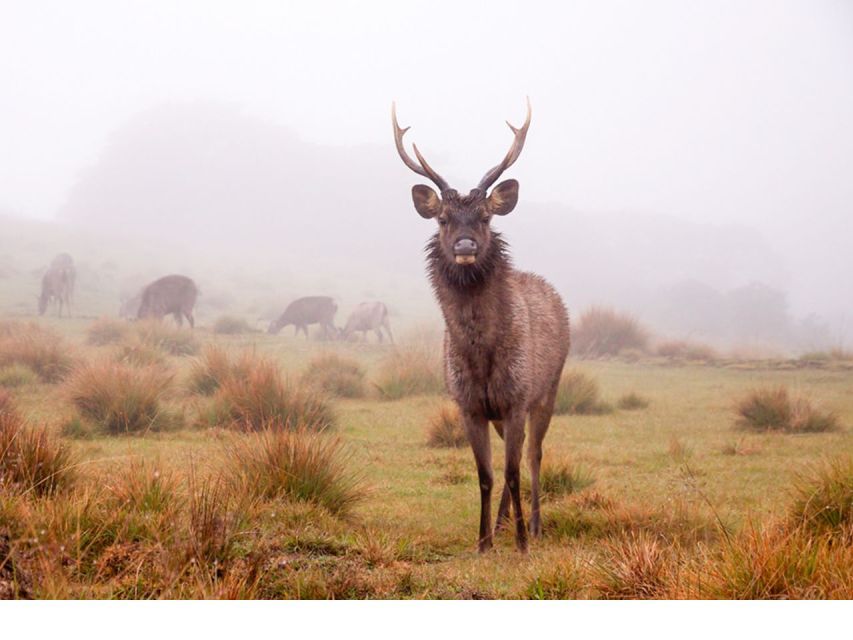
511 156
421 169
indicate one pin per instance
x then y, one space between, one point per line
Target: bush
824 500
259 398
606 332
121 399
31 461
42 350
336 376
775 410
408 371
684 350
579 394
16 375
445 428
107 331
175 341
300 464
632 401
231 325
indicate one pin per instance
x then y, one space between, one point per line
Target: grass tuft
175 341
121 399
231 325
776 410
578 394
823 501
41 350
300 464
410 370
16 375
104 331
31 461
632 401
336 376
635 567
445 428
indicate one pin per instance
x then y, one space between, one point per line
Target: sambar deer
506 331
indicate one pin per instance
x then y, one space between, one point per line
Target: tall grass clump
260 398
104 331
210 370
601 332
121 399
557 479
776 410
300 464
411 370
635 567
445 428
31 460
231 325
823 501
16 375
632 401
578 393
40 349
336 376
175 341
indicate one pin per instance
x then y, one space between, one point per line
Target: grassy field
672 499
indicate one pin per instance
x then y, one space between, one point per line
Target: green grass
645 528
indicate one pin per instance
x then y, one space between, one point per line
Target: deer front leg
477 430
514 439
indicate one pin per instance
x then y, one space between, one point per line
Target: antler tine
423 168
512 155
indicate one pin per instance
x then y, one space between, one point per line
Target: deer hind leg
503 509
378 333
477 430
540 419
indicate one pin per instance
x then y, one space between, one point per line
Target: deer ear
503 198
427 202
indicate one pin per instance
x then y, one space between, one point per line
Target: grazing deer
173 294
306 311
368 316
506 332
58 284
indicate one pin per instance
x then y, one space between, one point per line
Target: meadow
145 462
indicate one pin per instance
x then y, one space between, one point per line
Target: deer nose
465 247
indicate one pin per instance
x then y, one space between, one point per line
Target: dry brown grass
635 567
410 370
41 350
445 428
775 410
31 459
601 332
823 502
337 376
104 331
175 341
117 398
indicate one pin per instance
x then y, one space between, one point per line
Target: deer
368 316
506 335
306 311
173 294
58 284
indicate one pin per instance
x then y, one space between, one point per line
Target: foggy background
690 162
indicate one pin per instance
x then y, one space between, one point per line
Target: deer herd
506 333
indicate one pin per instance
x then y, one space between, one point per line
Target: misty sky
714 111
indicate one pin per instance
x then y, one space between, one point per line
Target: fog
685 161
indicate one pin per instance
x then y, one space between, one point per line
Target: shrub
775 410
30 459
445 428
175 341
300 464
606 332
42 350
411 370
16 375
121 399
579 394
684 350
632 401
259 398
231 325
107 331
824 500
335 375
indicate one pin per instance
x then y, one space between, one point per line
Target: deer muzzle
465 251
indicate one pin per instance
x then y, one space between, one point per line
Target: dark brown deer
506 332
173 294
307 311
